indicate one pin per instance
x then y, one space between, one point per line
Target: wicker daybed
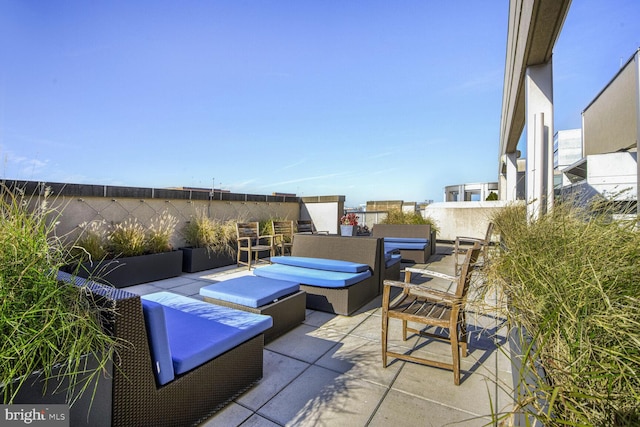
335 299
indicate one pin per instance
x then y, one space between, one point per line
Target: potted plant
54 349
128 253
349 225
211 243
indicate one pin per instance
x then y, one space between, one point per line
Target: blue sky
373 100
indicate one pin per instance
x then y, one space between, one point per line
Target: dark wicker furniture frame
287 312
364 250
189 399
422 231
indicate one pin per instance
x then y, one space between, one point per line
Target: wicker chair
431 308
462 244
251 242
191 398
282 236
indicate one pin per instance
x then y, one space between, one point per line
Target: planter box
88 410
524 380
129 271
199 259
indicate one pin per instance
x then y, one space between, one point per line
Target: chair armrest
424 291
469 239
429 273
242 240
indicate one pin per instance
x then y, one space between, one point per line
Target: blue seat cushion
405 245
155 323
311 276
406 240
198 331
321 264
250 291
393 260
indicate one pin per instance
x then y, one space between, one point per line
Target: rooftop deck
328 371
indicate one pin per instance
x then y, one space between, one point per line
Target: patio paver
328 371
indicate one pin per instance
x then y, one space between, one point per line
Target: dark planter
129 271
88 410
199 259
524 379
433 242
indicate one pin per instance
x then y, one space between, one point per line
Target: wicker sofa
416 242
187 399
323 292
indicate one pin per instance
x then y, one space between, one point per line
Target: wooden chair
431 308
305 226
462 244
251 242
282 236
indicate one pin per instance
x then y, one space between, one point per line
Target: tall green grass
397 216
218 236
572 280
43 323
99 240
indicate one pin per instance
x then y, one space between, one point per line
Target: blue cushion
198 331
393 260
310 276
321 264
250 291
154 320
406 240
405 245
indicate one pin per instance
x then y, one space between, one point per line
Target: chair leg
463 333
455 353
404 330
385 328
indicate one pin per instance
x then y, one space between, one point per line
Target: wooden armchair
431 308
251 242
305 226
462 244
282 236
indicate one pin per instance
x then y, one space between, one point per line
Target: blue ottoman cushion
250 291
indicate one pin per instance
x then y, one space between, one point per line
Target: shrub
98 240
92 243
158 238
216 235
127 238
397 216
572 282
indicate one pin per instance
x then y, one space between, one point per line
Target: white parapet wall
469 219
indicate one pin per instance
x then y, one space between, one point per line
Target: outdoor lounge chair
137 399
282 236
433 309
462 244
251 242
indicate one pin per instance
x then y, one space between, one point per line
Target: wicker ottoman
282 300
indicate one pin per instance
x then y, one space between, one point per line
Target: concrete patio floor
328 371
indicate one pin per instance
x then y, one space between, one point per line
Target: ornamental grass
572 279
45 325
